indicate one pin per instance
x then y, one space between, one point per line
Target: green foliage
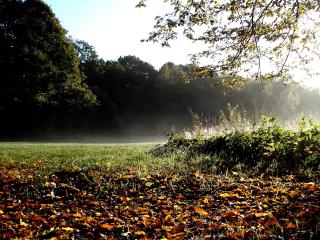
269 143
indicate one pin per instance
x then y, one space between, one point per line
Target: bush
267 144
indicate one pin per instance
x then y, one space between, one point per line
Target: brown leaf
233 235
230 215
179 228
38 218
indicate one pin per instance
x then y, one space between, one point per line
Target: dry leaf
200 211
107 226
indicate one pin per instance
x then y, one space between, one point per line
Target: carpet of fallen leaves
76 205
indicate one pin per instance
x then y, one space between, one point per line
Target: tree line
52 85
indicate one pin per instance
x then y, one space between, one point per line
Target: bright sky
115 28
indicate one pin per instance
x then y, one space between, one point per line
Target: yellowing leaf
89 219
177 207
229 195
206 200
201 211
68 229
24 224
107 226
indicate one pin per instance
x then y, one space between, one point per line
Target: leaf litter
81 205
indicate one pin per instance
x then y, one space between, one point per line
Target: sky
115 28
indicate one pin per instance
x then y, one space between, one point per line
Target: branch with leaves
260 39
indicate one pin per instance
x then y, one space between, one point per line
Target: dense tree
138 71
242 37
39 63
172 73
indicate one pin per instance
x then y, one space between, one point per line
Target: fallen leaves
200 211
128 207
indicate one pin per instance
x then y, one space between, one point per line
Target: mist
148 112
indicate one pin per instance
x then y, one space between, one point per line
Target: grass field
123 191
45 158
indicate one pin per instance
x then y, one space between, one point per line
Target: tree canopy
261 39
39 63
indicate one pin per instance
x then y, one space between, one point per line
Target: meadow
47 158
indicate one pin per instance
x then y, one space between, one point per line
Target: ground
104 191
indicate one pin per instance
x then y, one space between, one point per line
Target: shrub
267 144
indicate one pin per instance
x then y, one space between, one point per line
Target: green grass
47 158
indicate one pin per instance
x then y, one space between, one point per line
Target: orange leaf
139 233
107 226
294 194
291 226
201 211
77 215
266 214
181 197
